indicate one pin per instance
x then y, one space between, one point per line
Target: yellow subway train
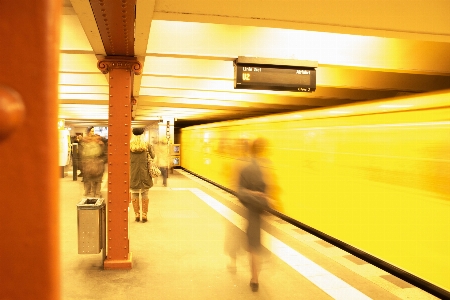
374 175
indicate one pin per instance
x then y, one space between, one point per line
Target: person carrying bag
140 179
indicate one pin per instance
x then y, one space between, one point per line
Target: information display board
278 75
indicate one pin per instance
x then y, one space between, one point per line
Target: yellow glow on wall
232 41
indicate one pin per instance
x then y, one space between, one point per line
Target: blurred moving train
373 175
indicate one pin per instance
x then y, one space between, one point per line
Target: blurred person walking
140 181
252 192
79 140
162 159
93 159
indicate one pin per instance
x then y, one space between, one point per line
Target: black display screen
275 78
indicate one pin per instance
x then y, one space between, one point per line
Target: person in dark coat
140 180
252 194
93 159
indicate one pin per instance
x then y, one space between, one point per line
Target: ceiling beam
84 12
115 22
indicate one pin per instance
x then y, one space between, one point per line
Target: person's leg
254 265
254 261
232 245
164 175
88 188
97 185
144 206
254 243
135 201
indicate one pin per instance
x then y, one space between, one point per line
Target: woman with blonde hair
140 180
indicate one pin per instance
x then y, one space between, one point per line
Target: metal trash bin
91 225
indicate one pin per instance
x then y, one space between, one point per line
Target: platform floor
180 254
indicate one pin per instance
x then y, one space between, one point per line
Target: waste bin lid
90 203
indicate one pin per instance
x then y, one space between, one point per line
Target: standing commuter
93 159
78 140
140 181
162 159
252 192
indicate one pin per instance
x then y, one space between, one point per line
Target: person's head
90 131
138 131
258 147
138 143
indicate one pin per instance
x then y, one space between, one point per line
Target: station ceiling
365 50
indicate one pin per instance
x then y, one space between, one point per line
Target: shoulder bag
152 168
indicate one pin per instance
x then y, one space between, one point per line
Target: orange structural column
29 181
120 71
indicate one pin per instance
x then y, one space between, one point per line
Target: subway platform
182 253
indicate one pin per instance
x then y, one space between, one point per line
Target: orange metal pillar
29 181
120 71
